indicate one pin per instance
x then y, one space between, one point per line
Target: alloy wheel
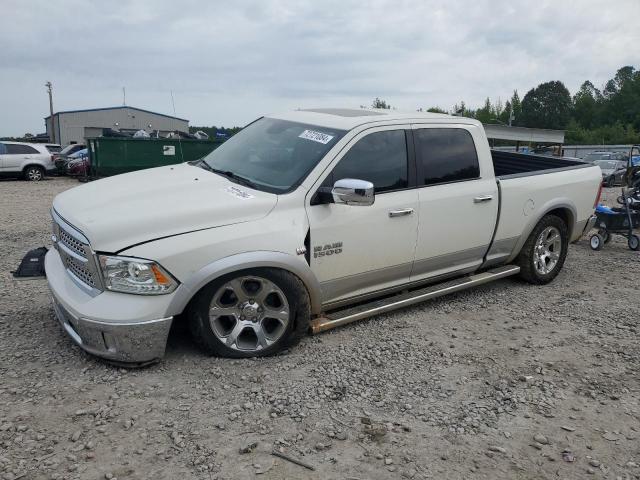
34 174
249 313
547 250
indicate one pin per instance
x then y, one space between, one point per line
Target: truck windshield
273 155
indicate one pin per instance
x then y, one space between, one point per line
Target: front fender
243 261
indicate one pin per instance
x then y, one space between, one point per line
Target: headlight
135 275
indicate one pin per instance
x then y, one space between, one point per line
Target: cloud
229 62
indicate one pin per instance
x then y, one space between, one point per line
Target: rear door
359 249
458 198
19 155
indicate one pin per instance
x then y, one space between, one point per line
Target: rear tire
230 317
543 254
34 173
634 242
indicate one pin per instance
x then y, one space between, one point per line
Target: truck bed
511 165
529 186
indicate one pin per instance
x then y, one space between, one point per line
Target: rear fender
564 204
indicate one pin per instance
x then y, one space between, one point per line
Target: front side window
3 149
380 158
446 155
274 155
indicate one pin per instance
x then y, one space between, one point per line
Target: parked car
62 157
299 217
616 156
30 161
53 148
612 171
78 163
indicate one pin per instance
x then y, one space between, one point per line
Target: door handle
483 198
400 213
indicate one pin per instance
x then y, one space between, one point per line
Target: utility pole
53 128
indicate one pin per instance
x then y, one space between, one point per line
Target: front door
458 198
359 249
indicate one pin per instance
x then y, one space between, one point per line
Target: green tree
487 113
378 103
516 108
621 102
547 106
586 104
435 110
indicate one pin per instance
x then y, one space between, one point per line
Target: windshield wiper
235 177
202 164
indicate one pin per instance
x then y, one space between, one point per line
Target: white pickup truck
302 222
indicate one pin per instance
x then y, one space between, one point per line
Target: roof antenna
124 97
174 116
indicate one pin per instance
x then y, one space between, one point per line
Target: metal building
74 126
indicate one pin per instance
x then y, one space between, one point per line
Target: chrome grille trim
71 243
76 255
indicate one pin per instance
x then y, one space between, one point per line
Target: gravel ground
504 381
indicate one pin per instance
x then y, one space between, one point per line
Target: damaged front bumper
127 329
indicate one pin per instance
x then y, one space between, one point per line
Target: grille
72 243
85 272
81 272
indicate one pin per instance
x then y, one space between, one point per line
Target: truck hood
133 208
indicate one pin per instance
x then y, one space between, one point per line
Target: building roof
117 108
347 119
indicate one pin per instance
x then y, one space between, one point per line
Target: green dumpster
114 155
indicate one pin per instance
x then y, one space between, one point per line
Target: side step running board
377 307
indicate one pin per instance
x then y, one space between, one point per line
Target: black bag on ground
32 265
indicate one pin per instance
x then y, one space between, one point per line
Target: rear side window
20 149
3 149
446 155
380 158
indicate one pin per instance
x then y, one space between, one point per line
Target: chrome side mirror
350 191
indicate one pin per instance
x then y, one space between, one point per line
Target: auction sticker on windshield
316 136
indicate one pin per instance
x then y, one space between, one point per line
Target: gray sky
230 62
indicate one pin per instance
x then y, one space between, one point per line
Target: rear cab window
445 155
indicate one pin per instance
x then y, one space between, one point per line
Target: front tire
34 173
633 242
252 313
545 251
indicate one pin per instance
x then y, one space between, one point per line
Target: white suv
30 161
